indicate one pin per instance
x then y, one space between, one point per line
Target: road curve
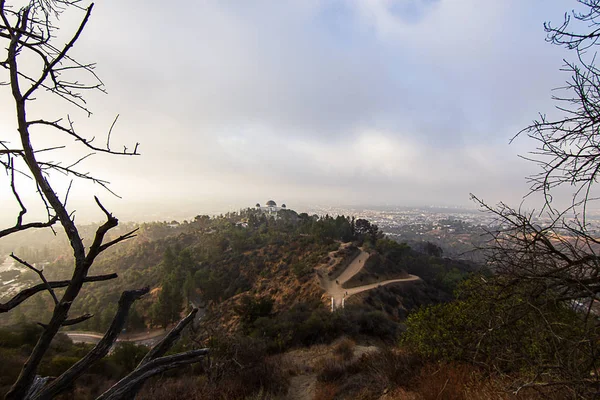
355 290
148 339
334 288
353 268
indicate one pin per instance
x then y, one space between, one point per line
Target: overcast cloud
402 102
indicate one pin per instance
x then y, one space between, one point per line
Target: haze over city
309 102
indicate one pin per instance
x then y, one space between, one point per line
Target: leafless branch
30 30
158 350
19 226
87 142
167 342
27 293
72 321
122 389
40 274
99 351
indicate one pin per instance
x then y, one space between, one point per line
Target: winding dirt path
334 287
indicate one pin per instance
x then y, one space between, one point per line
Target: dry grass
325 391
344 348
394 375
453 382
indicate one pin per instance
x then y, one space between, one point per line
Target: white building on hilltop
270 208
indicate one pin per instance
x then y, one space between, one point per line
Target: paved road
334 286
147 339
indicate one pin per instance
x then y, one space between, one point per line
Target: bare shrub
344 348
333 370
325 391
392 368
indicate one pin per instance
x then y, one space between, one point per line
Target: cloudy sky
349 102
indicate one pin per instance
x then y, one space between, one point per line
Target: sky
307 102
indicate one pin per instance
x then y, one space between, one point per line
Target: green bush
306 325
57 365
301 268
127 355
501 327
19 335
12 362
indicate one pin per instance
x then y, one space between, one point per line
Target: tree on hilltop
37 66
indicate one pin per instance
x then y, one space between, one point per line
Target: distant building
271 208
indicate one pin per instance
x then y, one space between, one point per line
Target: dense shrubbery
390 259
306 324
505 329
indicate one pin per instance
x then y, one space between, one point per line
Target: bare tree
568 151
29 36
555 252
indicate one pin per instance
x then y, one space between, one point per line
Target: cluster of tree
176 286
511 328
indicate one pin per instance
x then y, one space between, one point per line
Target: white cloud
331 100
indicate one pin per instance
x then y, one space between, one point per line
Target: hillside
257 278
218 261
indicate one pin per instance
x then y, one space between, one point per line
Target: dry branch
27 293
122 389
159 350
40 274
99 351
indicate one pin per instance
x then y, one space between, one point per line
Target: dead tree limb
27 293
122 389
23 227
99 351
167 342
159 350
40 273
72 321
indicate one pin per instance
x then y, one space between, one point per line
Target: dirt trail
304 365
354 290
334 287
302 387
354 268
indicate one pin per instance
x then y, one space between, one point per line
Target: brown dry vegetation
333 373
277 281
395 374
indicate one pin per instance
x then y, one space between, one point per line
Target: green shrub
57 365
345 349
503 329
127 355
19 335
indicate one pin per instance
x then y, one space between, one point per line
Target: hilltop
256 277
